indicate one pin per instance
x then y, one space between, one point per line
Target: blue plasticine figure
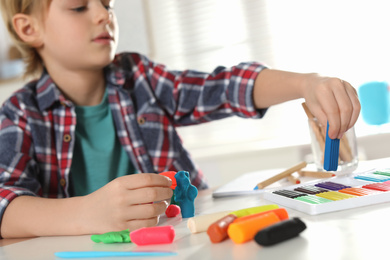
185 194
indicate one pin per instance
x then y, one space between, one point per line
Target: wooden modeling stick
318 132
345 150
293 179
316 174
281 175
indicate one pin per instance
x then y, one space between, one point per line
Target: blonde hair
9 8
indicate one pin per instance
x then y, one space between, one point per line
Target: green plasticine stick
113 237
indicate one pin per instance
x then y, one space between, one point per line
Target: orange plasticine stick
246 230
217 231
280 212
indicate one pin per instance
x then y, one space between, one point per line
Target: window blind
207 33
343 38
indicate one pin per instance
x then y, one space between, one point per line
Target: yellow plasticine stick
244 231
334 195
249 211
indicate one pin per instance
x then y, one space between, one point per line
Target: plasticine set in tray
336 193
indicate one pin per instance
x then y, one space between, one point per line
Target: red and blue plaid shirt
37 123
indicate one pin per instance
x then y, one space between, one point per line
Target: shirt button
62 182
67 138
141 120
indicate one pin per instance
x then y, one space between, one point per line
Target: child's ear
28 30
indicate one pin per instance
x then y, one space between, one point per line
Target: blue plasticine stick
331 154
94 254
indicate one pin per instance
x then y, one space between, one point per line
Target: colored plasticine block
372 177
280 232
200 224
310 189
99 254
331 185
170 175
280 212
153 235
217 231
384 186
249 211
331 154
290 193
312 199
244 231
335 195
385 172
185 194
358 191
172 211
112 237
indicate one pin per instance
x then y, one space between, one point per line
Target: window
348 39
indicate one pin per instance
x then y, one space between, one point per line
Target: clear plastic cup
348 155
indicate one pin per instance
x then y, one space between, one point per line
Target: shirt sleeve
193 97
17 167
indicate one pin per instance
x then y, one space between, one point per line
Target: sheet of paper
245 184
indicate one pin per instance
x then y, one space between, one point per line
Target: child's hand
328 99
128 202
333 100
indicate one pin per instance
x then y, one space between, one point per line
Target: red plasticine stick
153 235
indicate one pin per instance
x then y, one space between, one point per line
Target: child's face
79 34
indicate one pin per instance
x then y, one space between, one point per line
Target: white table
360 233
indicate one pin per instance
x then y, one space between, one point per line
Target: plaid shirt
37 123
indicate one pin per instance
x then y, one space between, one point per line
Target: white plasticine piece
201 223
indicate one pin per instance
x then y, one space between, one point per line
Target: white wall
132 26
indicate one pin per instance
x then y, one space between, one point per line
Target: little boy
72 141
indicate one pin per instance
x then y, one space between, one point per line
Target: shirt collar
114 73
48 93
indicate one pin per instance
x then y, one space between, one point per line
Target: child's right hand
128 202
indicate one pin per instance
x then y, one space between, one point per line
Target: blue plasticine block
331 154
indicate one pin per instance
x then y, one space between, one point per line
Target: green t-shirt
98 156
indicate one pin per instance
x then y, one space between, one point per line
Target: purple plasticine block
331 185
